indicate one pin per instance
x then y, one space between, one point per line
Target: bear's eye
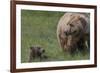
66 33
76 33
71 25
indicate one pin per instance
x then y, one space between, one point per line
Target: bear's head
74 31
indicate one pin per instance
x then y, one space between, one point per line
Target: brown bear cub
37 52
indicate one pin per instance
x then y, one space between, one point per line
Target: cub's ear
39 48
31 48
43 51
83 21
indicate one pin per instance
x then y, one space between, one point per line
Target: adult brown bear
73 31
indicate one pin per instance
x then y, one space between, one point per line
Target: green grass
39 28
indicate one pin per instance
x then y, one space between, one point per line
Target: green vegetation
39 28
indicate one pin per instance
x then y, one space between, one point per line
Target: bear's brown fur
73 31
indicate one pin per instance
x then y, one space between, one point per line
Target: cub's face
37 51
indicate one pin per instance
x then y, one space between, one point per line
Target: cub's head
37 50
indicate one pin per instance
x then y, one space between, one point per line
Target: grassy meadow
39 28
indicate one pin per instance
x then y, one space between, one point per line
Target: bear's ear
83 21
